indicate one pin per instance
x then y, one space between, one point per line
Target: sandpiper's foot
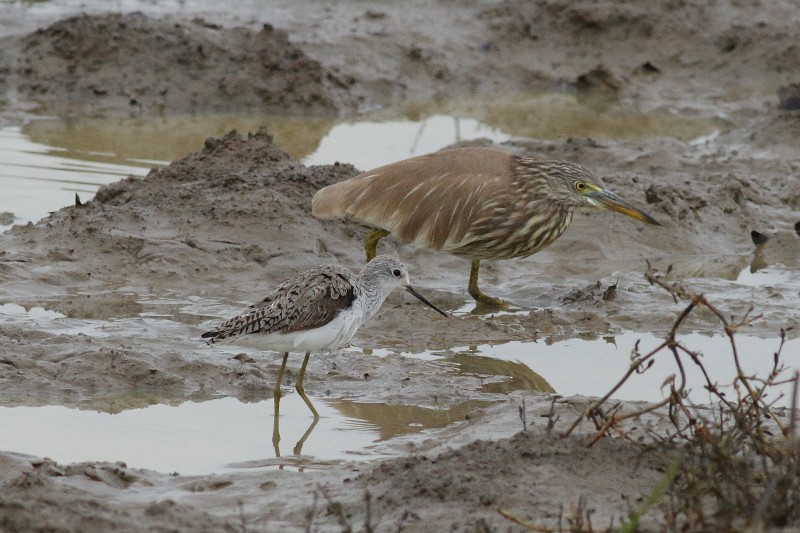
298 448
310 405
301 391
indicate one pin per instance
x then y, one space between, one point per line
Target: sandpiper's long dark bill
478 203
320 309
424 300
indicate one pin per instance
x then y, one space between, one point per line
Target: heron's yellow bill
609 200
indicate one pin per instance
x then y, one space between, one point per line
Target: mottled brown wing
432 199
307 301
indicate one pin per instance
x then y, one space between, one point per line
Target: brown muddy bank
220 225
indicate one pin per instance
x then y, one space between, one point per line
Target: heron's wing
431 199
304 302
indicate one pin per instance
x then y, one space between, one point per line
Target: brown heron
478 203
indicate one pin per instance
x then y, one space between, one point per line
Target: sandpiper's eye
580 186
396 273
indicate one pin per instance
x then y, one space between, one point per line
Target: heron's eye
580 186
396 273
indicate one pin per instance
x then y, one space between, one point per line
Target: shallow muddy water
37 178
679 109
196 438
592 367
216 435
46 161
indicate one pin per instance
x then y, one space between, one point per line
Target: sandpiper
320 309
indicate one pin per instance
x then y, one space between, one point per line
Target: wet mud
131 64
212 231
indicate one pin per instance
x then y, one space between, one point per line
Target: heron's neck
547 222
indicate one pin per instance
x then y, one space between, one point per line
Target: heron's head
575 187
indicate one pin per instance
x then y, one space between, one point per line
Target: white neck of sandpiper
375 294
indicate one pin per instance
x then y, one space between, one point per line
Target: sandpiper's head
387 273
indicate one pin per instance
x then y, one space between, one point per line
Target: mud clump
131 63
232 207
789 97
782 247
28 503
516 468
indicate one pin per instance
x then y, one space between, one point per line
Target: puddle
44 164
574 366
777 276
561 115
164 139
197 437
37 178
192 438
223 434
218 435
395 420
366 144
47 161
592 367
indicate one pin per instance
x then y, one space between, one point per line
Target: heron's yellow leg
299 386
476 293
371 242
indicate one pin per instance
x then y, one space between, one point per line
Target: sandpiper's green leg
276 396
299 446
276 392
371 242
299 386
276 434
476 293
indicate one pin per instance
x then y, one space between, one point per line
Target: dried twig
727 470
640 363
530 526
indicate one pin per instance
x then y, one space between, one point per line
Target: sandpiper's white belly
327 337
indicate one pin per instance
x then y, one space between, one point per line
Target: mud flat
212 230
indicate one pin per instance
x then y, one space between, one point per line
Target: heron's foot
484 300
489 302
